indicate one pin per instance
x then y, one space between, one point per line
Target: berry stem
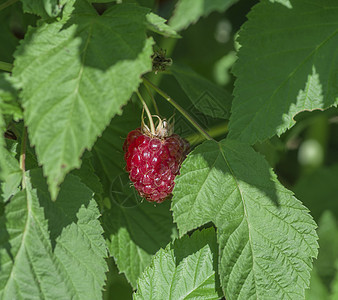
178 107
6 66
153 100
151 122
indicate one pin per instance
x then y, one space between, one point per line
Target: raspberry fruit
153 161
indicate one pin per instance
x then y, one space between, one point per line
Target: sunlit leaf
266 237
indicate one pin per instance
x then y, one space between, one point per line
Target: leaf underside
207 97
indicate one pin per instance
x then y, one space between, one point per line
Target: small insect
160 61
9 134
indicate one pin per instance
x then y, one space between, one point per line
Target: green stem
214 132
178 107
152 99
6 66
23 156
7 3
151 122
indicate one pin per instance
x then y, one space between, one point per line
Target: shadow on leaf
62 212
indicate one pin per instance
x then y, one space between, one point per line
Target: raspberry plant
251 85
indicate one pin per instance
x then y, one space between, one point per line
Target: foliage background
98 233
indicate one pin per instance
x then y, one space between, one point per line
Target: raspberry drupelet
153 161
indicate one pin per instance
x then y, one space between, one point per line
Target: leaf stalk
6 66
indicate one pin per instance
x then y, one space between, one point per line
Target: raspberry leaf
135 233
58 246
158 25
189 11
10 172
8 40
87 174
8 98
185 269
74 79
43 8
207 97
278 79
266 237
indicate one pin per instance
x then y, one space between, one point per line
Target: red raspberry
153 162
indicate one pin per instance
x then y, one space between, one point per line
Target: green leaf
287 63
10 172
206 96
158 25
189 11
185 269
266 237
52 250
7 91
286 3
7 38
321 184
43 8
117 287
146 3
8 98
76 79
135 230
87 174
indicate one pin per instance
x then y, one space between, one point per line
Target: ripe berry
153 161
